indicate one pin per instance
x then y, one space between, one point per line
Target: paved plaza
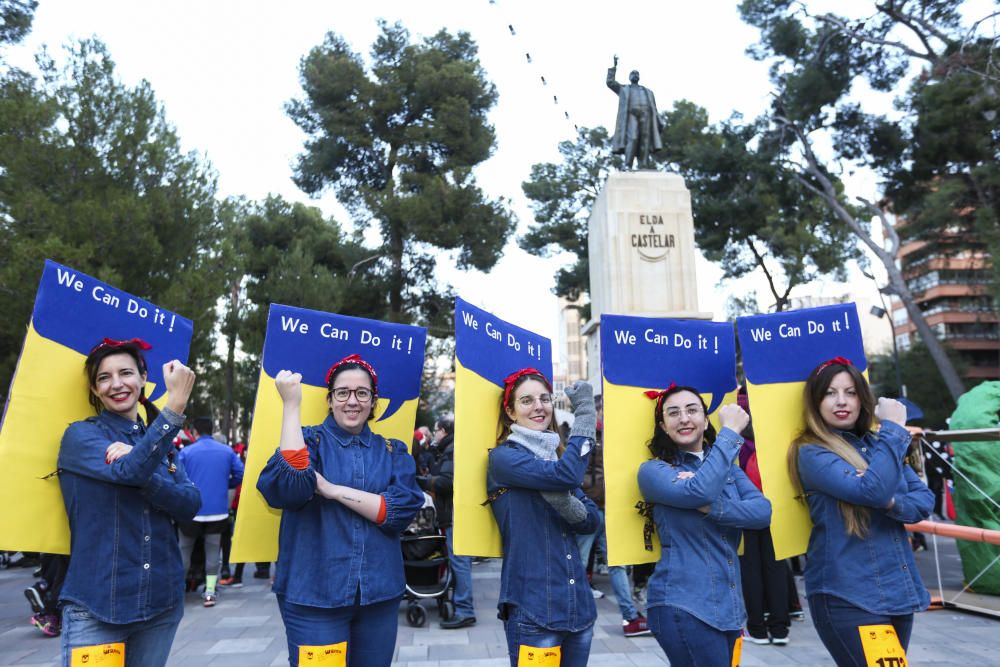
245 630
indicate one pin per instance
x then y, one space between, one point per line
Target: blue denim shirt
125 563
699 570
877 573
542 571
326 552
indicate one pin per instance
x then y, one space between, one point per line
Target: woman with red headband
700 502
123 492
533 486
860 492
347 494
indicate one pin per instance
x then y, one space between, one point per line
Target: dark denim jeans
461 568
147 643
520 630
369 630
689 641
837 624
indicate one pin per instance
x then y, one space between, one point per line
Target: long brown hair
816 432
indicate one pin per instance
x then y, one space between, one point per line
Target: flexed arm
612 84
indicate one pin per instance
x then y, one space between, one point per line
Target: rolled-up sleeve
403 497
284 487
659 481
517 467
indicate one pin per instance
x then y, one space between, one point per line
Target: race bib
539 657
331 655
105 655
882 647
737 651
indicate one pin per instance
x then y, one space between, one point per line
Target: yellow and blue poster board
309 342
73 313
640 354
487 349
779 351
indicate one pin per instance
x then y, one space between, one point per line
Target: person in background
765 579
214 468
860 569
440 481
634 624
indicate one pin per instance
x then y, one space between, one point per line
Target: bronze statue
638 125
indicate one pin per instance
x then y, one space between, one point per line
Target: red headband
843 361
353 359
658 396
508 382
111 342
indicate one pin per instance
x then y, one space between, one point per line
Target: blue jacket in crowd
327 552
125 563
698 570
542 571
877 573
214 468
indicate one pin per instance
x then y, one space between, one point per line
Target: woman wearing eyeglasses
701 501
347 493
533 486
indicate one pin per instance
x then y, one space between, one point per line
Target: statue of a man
638 125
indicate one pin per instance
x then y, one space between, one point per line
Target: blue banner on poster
653 352
785 347
78 311
493 348
309 341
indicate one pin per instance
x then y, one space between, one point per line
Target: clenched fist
289 386
891 410
179 381
733 417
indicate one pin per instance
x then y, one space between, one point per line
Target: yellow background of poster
477 410
256 536
48 393
628 427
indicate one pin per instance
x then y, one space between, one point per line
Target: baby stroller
425 563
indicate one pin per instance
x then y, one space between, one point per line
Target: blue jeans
617 573
369 630
837 622
147 643
690 642
520 630
461 569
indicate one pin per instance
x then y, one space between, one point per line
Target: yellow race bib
737 651
882 647
539 657
331 655
105 655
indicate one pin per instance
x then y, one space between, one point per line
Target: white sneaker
596 593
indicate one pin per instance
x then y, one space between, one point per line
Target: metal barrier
959 532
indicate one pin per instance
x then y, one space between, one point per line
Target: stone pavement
245 630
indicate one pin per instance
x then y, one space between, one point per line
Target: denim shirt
877 573
542 571
125 562
327 552
698 570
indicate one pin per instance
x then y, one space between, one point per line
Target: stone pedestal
642 253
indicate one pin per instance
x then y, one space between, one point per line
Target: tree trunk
230 403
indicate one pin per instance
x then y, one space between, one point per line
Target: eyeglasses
341 394
528 401
691 411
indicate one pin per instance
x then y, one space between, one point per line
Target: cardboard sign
73 313
779 352
487 349
640 354
309 342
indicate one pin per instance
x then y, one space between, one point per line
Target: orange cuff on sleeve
380 519
298 459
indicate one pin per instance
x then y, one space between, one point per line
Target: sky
223 71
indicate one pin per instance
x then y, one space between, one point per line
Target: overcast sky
224 69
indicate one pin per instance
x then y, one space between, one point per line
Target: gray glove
581 399
570 508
